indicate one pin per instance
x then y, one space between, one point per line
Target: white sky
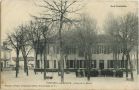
16 12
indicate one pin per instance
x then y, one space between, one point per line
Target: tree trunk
44 65
25 60
62 68
116 60
66 61
17 63
137 61
131 67
59 72
89 65
26 65
61 51
41 62
123 59
45 59
36 57
126 65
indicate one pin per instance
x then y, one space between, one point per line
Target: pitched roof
2 48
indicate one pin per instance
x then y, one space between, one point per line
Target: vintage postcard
69 45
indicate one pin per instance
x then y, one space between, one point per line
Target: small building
5 56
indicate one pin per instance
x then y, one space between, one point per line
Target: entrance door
101 64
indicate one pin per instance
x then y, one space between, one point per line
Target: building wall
101 59
53 60
5 58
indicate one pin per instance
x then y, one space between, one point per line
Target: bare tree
58 11
86 37
34 38
45 36
14 40
112 26
129 34
69 44
26 46
126 30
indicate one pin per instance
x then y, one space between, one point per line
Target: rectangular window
93 64
81 64
110 63
84 63
78 63
54 63
70 63
47 63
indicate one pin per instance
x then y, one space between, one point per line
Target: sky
16 12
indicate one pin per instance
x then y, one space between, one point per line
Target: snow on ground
33 81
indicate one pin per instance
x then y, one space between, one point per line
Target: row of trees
84 34
124 31
28 37
57 14
121 32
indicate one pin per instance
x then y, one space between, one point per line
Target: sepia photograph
69 45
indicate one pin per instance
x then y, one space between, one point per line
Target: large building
102 56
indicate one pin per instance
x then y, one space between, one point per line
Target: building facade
102 57
5 56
